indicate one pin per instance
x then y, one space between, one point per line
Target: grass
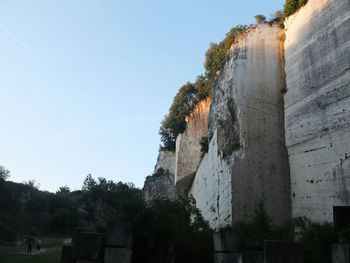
50 254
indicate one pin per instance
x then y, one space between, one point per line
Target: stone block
90 246
118 255
225 241
88 261
164 258
341 253
76 232
227 258
119 234
252 257
282 252
67 254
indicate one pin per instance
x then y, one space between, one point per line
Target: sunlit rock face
161 182
317 107
188 147
247 160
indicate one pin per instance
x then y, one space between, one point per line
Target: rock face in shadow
317 107
188 147
162 182
247 159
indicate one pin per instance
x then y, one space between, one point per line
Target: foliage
63 190
177 222
317 242
190 94
204 144
253 233
260 19
89 183
4 173
215 57
292 6
32 184
174 123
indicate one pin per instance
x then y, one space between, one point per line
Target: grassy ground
51 252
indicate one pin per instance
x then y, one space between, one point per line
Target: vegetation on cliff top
191 94
292 6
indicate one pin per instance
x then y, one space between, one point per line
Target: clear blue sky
85 84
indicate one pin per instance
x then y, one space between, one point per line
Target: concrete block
90 246
227 258
119 234
76 232
67 254
118 255
282 252
341 253
252 257
225 241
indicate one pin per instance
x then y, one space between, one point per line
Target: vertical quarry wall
162 182
317 107
247 160
188 148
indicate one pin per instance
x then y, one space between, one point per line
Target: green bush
292 6
216 55
176 222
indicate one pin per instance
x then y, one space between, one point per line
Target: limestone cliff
161 182
188 148
278 124
317 106
247 160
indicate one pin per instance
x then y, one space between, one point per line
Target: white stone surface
166 160
247 158
212 188
162 182
317 108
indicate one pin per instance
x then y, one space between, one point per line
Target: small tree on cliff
4 173
260 19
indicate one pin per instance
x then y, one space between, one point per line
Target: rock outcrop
188 147
247 160
278 125
317 107
162 182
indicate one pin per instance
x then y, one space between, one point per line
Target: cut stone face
341 253
90 246
227 258
119 234
67 255
118 255
225 241
282 252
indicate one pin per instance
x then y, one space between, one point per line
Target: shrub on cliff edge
292 6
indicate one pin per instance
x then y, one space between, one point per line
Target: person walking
38 246
29 245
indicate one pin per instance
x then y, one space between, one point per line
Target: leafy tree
63 190
260 19
4 173
32 184
174 123
89 183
